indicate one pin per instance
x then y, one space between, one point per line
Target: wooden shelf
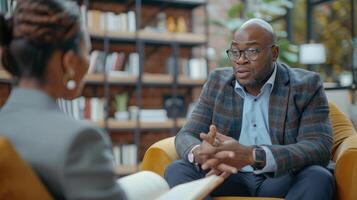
188 4
100 79
144 125
190 39
147 78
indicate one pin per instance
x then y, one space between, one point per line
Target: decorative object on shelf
175 107
121 102
171 25
181 25
161 22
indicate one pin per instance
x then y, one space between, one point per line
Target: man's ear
275 53
70 61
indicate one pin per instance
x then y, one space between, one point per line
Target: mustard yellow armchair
344 153
17 179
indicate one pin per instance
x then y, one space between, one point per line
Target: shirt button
255 99
255 125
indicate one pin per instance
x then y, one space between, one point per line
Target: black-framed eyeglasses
251 54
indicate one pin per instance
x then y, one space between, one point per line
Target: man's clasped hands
221 154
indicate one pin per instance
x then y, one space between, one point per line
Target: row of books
125 154
116 63
120 64
194 68
84 108
111 22
152 115
94 109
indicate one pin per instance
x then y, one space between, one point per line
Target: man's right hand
205 150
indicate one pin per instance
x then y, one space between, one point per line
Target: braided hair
36 28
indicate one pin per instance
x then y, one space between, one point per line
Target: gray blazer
72 158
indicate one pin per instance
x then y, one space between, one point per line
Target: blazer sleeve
314 139
199 120
88 172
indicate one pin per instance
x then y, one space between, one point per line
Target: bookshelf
151 79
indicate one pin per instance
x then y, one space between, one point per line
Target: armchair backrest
342 128
17 179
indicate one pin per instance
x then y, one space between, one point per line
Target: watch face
190 157
259 158
259 155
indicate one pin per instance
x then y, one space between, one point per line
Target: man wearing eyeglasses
261 124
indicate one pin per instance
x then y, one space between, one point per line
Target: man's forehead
237 42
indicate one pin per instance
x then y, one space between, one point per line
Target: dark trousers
312 182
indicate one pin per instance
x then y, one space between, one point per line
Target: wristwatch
191 157
259 158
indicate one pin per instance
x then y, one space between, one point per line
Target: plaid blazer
299 126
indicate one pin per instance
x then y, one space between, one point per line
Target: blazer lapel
238 104
230 106
278 104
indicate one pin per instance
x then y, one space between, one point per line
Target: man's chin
244 82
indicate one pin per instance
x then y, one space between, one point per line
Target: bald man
261 124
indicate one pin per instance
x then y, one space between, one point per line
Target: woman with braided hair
45 48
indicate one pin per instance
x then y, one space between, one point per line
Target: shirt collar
270 84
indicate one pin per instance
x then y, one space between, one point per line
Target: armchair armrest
346 168
159 155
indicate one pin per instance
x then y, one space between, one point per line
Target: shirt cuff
270 165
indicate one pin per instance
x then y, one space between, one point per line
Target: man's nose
242 59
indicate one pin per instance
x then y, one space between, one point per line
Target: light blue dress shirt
255 122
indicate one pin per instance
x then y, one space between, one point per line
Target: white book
194 68
203 68
93 61
101 110
131 21
116 155
123 22
94 108
110 61
84 17
81 105
111 21
68 107
150 186
129 154
76 109
134 64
